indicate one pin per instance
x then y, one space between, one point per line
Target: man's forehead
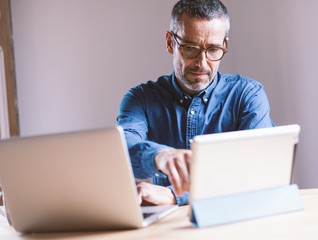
192 29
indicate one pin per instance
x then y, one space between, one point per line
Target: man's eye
214 50
190 48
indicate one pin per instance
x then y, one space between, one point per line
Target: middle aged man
160 118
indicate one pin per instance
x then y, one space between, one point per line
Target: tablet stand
244 206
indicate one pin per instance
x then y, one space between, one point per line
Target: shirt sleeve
163 181
254 109
181 200
133 118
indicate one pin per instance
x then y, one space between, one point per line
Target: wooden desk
297 225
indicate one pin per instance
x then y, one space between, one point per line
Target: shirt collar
205 94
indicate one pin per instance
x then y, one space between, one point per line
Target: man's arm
133 118
255 109
148 158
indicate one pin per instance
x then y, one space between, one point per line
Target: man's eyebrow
214 45
184 40
211 45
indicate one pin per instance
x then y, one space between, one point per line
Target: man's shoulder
162 82
238 80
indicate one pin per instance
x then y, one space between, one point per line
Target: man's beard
197 84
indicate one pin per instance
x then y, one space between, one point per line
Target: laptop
242 161
75 181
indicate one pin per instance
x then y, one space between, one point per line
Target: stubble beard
196 85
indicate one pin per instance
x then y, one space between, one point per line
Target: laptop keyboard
145 215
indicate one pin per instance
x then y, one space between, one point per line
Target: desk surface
296 225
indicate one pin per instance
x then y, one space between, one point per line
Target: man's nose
201 59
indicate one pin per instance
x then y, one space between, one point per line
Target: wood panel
7 47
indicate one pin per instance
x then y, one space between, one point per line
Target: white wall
273 41
76 58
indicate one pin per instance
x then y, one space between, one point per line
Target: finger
174 178
139 195
187 157
139 198
184 175
182 163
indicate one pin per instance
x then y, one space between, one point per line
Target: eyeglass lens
191 51
194 51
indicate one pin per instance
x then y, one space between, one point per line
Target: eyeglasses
191 51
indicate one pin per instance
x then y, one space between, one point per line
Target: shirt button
205 100
157 175
185 97
181 101
192 112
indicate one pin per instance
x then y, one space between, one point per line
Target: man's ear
226 43
169 42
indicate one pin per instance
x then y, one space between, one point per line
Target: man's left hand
150 194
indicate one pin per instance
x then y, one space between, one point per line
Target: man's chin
198 87
195 89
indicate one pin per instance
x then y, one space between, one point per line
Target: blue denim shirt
158 115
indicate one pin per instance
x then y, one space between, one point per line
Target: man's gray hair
204 9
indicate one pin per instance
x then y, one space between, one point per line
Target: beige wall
273 41
75 59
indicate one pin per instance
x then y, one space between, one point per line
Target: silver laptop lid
241 161
70 181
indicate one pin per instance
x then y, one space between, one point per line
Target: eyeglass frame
181 45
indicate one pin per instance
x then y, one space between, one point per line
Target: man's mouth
199 74
196 72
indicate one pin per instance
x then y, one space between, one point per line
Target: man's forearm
142 157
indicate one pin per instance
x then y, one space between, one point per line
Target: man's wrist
173 197
183 200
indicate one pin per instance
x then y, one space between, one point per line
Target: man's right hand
176 164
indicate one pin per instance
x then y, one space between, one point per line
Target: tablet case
244 206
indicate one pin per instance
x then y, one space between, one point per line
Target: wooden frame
9 122
9 110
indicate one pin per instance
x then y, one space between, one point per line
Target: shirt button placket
192 121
